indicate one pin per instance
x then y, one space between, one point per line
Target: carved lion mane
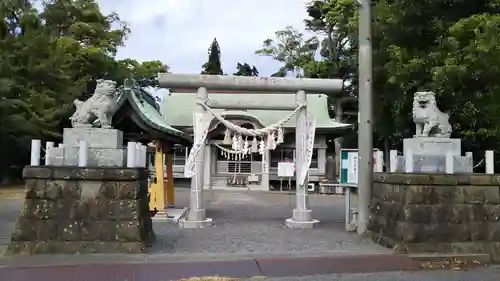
429 120
99 106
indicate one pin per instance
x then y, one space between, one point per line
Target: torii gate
302 216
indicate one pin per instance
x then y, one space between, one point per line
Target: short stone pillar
70 210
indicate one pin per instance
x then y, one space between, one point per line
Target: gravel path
9 212
246 222
254 222
483 274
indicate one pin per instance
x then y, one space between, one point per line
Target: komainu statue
101 106
429 120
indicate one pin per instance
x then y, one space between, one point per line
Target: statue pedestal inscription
433 146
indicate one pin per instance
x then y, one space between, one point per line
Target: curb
243 268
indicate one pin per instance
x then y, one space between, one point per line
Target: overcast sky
179 32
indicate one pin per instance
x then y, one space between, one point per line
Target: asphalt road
483 274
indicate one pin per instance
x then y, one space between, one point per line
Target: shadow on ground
248 222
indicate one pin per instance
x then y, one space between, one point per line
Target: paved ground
245 223
254 222
483 274
249 238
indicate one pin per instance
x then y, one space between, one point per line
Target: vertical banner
308 148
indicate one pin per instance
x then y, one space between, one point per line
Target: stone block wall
437 213
72 210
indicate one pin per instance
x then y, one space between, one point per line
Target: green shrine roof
147 109
177 108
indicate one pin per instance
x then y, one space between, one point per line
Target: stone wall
437 213
83 210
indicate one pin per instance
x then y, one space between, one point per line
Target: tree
291 49
333 20
246 70
49 58
144 73
213 66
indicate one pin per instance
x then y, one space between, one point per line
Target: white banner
308 145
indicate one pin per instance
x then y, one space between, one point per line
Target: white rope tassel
240 143
269 142
280 139
245 147
273 141
235 143
227 137
261 147
255 146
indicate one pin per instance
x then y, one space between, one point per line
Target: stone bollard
48 147
490 162
379 161
393 154
408 161
83 154
35 152
131 162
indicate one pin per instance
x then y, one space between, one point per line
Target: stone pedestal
71 210
105 148
429 155
437 213
301 219
433 146
96 137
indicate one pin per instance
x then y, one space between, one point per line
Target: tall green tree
213 66
246 70
333 21
291 48
48 58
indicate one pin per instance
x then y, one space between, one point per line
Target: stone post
131 155
470 159
302 215
196 217
48 147
83 154
490 163
379 161
35 152
409 161
393 160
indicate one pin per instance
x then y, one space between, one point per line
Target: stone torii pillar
302 217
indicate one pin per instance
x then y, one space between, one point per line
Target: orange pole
158 188
170 179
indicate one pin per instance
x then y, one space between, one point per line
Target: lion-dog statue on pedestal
100 106
429 120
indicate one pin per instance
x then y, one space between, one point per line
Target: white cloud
179 32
